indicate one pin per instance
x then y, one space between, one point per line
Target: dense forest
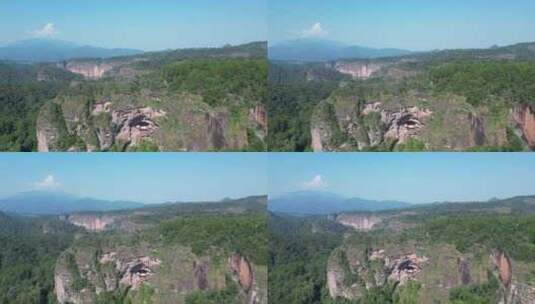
298 253
28 257
292 98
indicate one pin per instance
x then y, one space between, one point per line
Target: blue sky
144 177
408 24
410 177
146 25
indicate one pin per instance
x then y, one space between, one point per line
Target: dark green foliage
245 234
225 296
512 234
412 145
479 81
476 293
294 91
28 257
298 253
219 79
21 96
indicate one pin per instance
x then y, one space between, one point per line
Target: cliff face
146 273
88 69
127 123
354 269
415 122
91 222
359 222
359 70
524 117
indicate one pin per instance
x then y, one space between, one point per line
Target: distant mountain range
326 50
319 202
50 50
48 203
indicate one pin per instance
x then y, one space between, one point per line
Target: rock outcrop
419 122
368 127
90 70
258 116
359 222
511 290
91 222
242 270
243 273
354 269
349 276
133 125
83 273
122 123
98 128
524 117
358 69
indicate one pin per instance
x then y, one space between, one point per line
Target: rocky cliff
150 274
91 222
416 121
90 70
146 121
358 221
359 69
524 117
426 273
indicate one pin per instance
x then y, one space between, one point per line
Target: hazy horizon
138 177
416 178
159 25
416 25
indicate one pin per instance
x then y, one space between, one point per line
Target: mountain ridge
52 50
310 50
54 203
322 203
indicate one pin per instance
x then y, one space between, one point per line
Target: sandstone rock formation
91 222
368 127
524 116
242 270
99 128
358 69
358 221
258 116
89 70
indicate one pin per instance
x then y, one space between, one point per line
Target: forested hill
177 100
405 103
477 252
210 252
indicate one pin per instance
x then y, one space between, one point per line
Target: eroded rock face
87 69
359 222
405 123
128 127
242 270
136 271
371 126
358 70
91 222
343 271
524 117
135 124
405 268
258 115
